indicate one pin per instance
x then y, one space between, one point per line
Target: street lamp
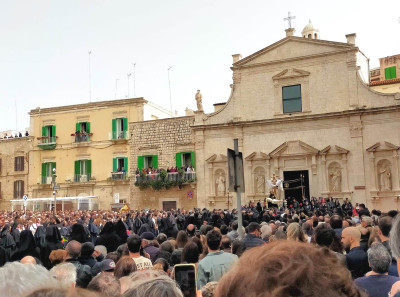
54 184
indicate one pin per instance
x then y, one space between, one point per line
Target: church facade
302 111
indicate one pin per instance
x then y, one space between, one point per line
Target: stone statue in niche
385 182
220 183
260 184
335 180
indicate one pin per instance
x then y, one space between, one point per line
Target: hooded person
120 230
40 236
108 238
3 259
94 230
27 247
7 241
78 233
53 242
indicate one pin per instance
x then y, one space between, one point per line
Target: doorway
168 205
293 184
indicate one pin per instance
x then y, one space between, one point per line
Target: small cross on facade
289 19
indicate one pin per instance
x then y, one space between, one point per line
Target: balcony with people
119 172
82 132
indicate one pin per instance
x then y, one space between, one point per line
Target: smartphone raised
185 276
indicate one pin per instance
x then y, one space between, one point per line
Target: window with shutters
147 161
82 132
120 168
47 172
291 99
48 134
18 189
83 170
390 72
120 128
185 159
19 163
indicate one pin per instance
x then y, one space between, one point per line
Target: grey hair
18 279
379 258
154 287
65 273
395 237
266 230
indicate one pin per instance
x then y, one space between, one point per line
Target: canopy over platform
63 203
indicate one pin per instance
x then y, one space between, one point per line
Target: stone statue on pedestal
199 101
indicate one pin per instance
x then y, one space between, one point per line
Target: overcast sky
44 45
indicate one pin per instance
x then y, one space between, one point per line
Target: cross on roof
289 19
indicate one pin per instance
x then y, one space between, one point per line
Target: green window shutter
126 164
387 73
88 127
53 130
393 72
77 167
155 161
114 128
78 127
53 166
140 162
43 169
89 167
115 165
125 124
192 159
178 160
44 131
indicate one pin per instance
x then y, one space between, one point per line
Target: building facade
386 78
86 147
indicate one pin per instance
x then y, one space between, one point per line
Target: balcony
118 136
82 178
119 175
47 142
81 137
165 180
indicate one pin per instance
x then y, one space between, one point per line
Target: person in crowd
384 227
149 246
216 263
28 260
83 272
27 247
78 233
87 258
109 238
395 248
295 233
125 266
252 238
65 273
288 268
190 253
356 258
234 234
135 247
107 266
107 284
155 287
378 282
52 242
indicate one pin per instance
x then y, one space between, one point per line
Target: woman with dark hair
78 233
108 238
181 239
27 247
190 253
53 242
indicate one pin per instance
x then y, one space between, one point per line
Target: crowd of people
11 136
313 248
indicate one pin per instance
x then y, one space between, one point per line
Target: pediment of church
216 158
290 73
257 156
333 150
385 146
293 148
291 48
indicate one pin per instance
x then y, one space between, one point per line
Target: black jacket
83 273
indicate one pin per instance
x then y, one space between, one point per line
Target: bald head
28 259
351 237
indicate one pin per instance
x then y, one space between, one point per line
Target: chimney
236 57
290 32
351 38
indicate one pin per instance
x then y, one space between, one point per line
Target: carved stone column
252 178
395 171
345 180
211 180
372 171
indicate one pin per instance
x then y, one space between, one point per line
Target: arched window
309 35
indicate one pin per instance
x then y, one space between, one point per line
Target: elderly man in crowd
84 274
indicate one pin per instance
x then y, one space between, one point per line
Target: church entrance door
294 182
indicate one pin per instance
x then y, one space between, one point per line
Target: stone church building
301 108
